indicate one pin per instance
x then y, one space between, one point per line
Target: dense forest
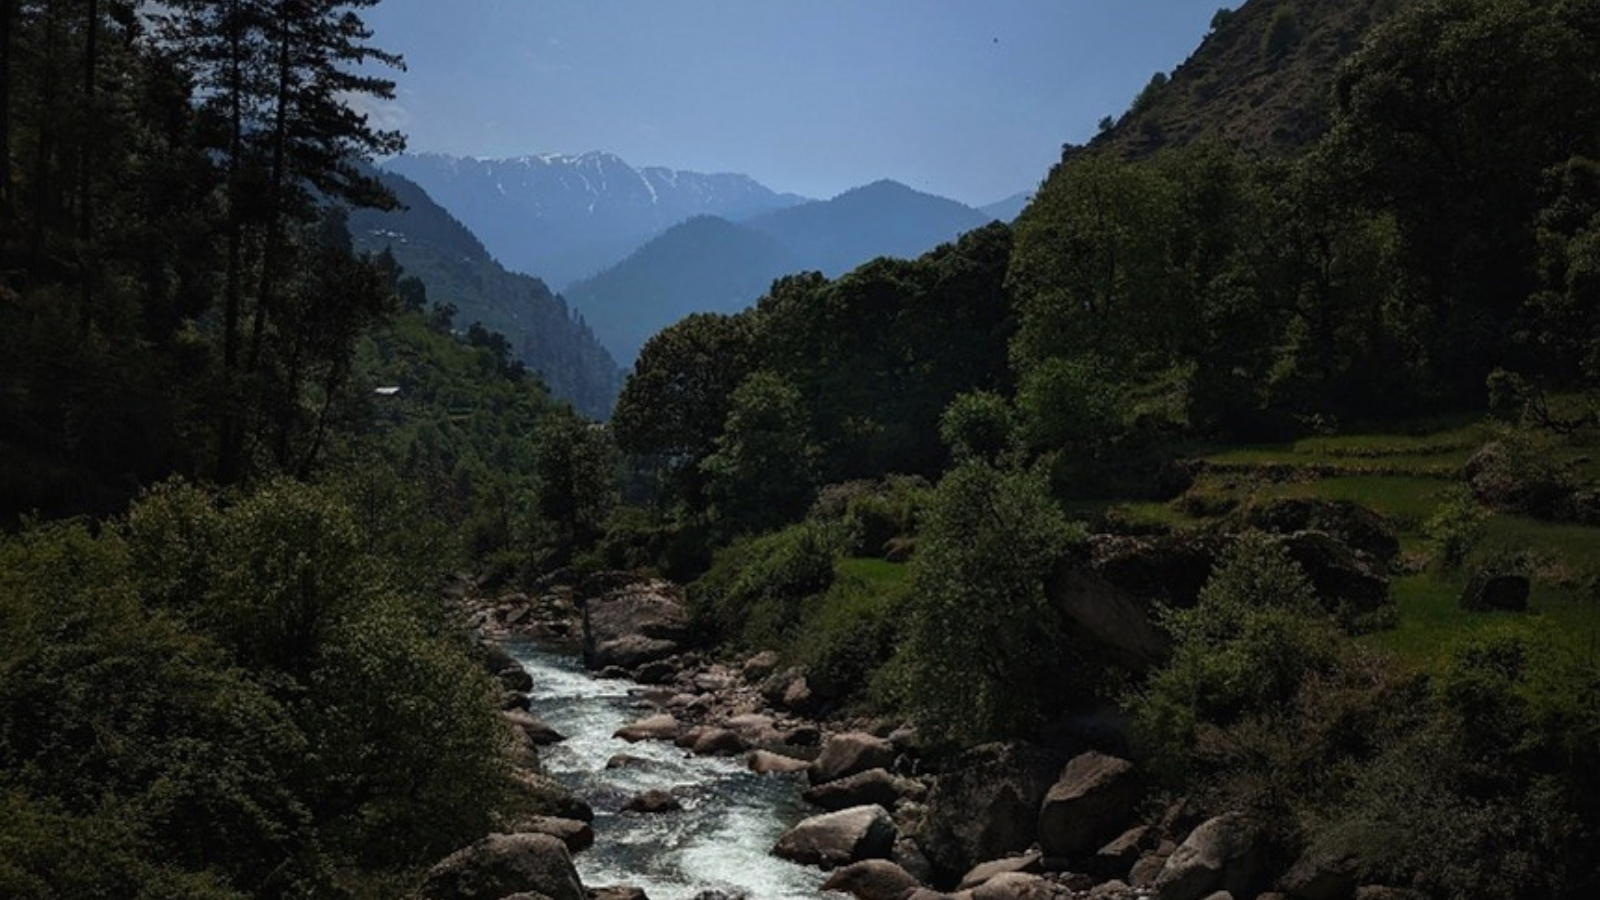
238 458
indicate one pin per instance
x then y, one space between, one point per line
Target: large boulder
578 836
848 754
1020 886
1344 581
839 838
872 787
985 805
1091 803
872 879
765 762
1490 592
1224 853
538 733
1352 524
639 622
1030 863
659 727
1110 589
653 801
544 796
505 864
1321 875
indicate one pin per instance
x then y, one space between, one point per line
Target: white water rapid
731 817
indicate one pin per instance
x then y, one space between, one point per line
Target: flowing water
731 817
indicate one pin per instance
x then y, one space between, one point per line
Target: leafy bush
983 651
752 594
1456 527
872 520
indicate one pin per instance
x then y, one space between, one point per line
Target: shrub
1456 527
752 594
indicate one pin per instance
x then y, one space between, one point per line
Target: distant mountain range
711 264
436 248
563 217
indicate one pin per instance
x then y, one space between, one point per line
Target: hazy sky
971 99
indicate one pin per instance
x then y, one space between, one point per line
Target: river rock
907 855
548 797
872 787
1118 856
765 762
657 672
755 728
1090 803
653 802
850 753
1020 886
660 727
760 666
618 892
539 733
578 836
505 864
515 678
515 700
719 742
839 838
985 805
1321 875
1486 591
871 879
640 622
1224 853
1029 863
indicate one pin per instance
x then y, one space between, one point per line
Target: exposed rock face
638 622
1342 579
872 787
1224 853
986 805
1091 803
850 753
872 879
506 864
1487 592
839 838
1110 592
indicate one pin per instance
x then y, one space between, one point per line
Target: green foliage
753 594
875 518
760 474
236 698
1254 638
575 482
978 426
1283 32
982 651
1456 526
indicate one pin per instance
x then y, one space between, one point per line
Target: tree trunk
230 440
8 12
86 162
272 249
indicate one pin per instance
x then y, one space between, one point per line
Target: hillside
706 264
564 217
432 245
712 265
1261 81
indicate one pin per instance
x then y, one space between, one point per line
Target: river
731 817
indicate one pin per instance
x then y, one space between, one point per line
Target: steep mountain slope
884 218
568 217
456 269
706 264
1261 81
710 264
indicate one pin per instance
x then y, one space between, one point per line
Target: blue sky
967 99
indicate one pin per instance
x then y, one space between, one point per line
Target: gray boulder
1030 863
578 836
639 622
505 864
538 733
765 762
547 797
985 805
660 727
1091 803
653 802
839 838
1020 886
872 879
1224 853
874 786
848 754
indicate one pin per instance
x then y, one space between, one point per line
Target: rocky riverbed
670 775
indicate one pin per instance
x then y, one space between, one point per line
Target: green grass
1407 500
878 574
1431 621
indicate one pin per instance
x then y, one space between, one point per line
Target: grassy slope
1404 476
